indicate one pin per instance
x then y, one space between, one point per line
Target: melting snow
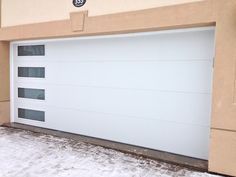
27 154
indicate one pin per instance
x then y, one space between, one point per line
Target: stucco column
4 83
222 157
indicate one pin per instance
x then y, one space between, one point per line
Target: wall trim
201 14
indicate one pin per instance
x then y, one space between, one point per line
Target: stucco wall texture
15 12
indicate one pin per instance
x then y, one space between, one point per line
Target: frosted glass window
38 72
31 50
31 114
38 94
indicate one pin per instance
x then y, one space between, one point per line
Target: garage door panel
147 89
162 76
191 108
195 45
139 75
128 130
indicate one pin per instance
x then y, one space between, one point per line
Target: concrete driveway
27 154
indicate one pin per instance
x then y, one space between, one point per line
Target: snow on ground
27 154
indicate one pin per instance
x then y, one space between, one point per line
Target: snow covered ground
27 154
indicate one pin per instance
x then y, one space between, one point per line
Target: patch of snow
27 154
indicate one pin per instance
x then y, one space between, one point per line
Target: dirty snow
27 154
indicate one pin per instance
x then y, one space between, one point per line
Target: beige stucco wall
16 12
4 83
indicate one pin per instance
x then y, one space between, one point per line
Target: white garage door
147 89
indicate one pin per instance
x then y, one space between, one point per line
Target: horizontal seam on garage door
97 61
118 88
